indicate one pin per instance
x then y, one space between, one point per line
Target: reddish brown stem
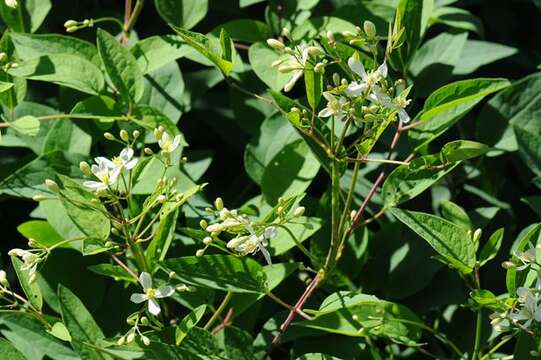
298 306
127 16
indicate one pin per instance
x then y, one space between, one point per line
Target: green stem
335 215
497 346
134 16
218 311
478 334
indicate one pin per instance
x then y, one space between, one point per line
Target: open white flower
168 144
107 176
397 104
124 161
335 106
526 257
151 294
530 310
11 3
368 79
250 244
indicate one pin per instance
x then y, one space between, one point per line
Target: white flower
297 62
168 144
250 245
123 161
105 175
151 294
11 3
530 310
526 257
335 106
397 104
270 232
356 88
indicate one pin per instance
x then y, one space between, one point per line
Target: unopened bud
70 23
286 33
370 29
85 168
148 151
355 317
352 214
336 79
161 199
121 341
32 278
39 197
315 51
183 288
299 211
200 252
319 68
219 203
3 57
136 134
348 34
508 265
275 44
477 235
145 340
144 320
3 278
330 37
52 185
207 240
124 135
72 29
130 337
280 210
109 136
203 223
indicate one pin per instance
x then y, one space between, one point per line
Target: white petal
355 89
357 66
95 185
138 298
164 291
328 96
146 280
291 83
164 140
131 164
325 112
113 175
383 70
104 162
153 307
126 154
403 116
266 254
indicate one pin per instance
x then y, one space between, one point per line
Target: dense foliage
289 179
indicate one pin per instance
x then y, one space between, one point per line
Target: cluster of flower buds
297 59
31 259
73 25
11 3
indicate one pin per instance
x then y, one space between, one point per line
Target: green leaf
487 299
529 146
303 228
121 67
450 103
161 241
5 86
319 26
32 291
63 69
182 13
202 44
65 135
84 209
261 58
459 150
82 327
246 30
534 202
452 242
40 231
188 322
457 18
9 351
492 246
298 162
29 336
479 53
374 317
221 272
408 181
456 215
26 125
27 16
29 180
29 46
114 271
156 51
314 86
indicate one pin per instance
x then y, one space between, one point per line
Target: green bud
148 151
70 23
200 252
124 135
370 29
330 37
121 341
219 203
275 44
203 223
319 68
207 240
52 185
85 168
136 134
109 136
72 29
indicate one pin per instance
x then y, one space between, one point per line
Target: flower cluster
31 259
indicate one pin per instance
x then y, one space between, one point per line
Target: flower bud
330 37
370 29
32 278
299 211
207 240
200 252
319 68
52 185
70 23
109 136
3 57
353 214
277 63
121 341
130 337
315 51
508 265
11 3
183 288
336 79
477 235
289 51
144 320
145 340
355 317
219 203
286 33
124 135
348 34
280 210
72 29
236 242
275 44
85 168
287 68
161 199
148 151
39 197
3 278
136 134
203 223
